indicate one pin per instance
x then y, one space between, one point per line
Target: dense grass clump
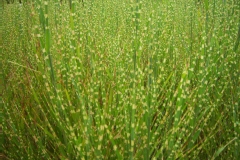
112 79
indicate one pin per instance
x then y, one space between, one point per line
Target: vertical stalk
48 42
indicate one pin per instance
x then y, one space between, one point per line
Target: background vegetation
140 79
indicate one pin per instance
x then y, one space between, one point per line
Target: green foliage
120 79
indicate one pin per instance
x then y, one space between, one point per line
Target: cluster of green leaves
124 79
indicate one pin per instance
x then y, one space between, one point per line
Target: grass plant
111 79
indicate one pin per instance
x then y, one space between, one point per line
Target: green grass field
120 79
